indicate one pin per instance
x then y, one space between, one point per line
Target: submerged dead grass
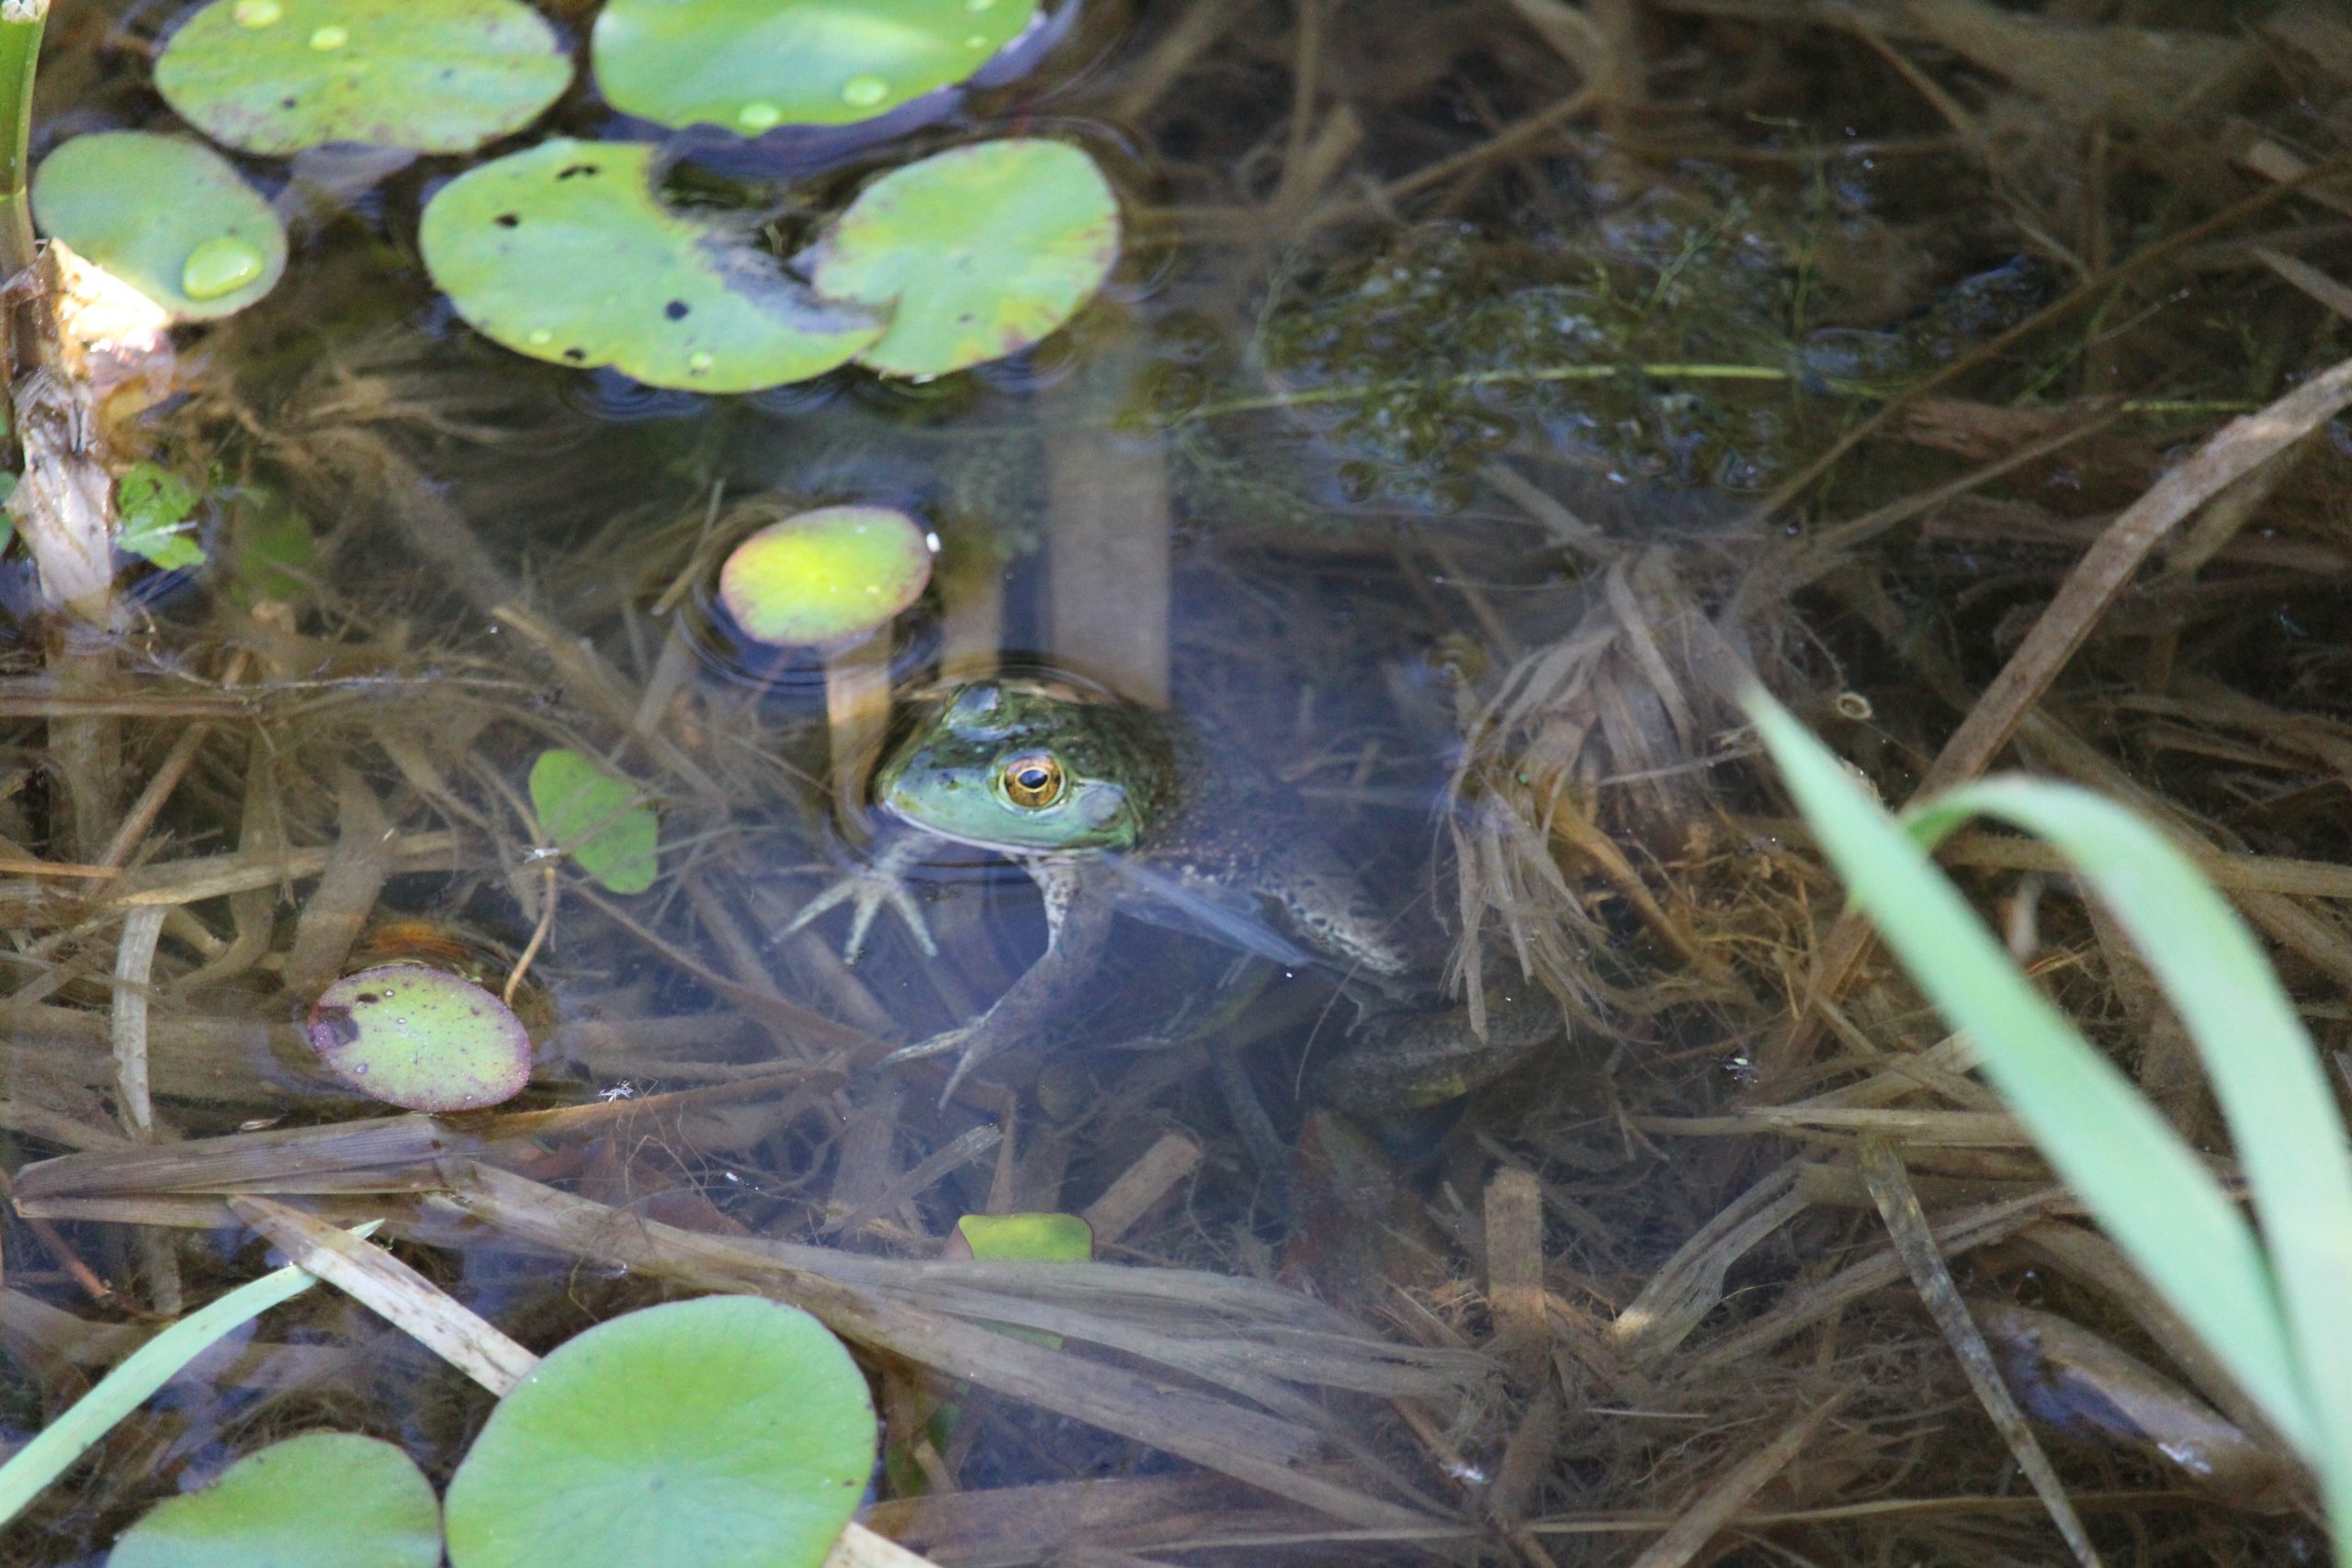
1641 1305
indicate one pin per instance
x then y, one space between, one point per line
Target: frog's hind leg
1076 923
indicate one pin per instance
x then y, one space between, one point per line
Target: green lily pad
322 1500
597 818
211 250
420 1039
566 252
826 575
728 1432
153 506
1026 1238
437 75
753 65
977 251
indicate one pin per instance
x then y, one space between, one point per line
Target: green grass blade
2265 1070
2145 1186
140 1374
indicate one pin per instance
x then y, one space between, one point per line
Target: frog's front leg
866 887
1077 919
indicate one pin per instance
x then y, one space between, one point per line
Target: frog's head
1017 764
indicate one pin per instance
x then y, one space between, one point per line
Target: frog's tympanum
1109 806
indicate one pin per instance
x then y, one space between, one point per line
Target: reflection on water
1407 496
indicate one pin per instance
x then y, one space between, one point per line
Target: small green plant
2270 1308
724 1432
601 820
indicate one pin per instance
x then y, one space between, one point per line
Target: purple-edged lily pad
420 1039
825 576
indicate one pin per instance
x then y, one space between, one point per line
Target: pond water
1455 429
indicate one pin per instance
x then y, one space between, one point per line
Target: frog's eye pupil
1034 782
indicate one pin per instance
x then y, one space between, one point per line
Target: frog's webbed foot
866 887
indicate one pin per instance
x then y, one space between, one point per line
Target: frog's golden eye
1033 780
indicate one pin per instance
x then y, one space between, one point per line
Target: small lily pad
728 1432
1023 1238
420 1039
753 65
322 1500
825 576
438 75
153 507
567 253
977 251
211 250
598 819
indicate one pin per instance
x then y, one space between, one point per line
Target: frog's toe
971 1053
866 890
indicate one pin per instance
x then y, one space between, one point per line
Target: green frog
1110 808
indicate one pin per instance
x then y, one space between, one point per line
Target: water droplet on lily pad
571 238
420 1039
825 576
977 253
320 1500
434 75
221 264
728 1432
213 249
258 13
814 62
759 116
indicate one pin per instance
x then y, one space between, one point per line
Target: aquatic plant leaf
152 504
566 252
598 819
977 252
211 250
728 1432
420 1039
1026 1238
277 76
825 575
753 65
321 1500
271 551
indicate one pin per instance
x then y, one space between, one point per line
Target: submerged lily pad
1023 1238
753 65
977 252
729 1432
211 250
597 818
438 75
567 253
420 1039
826 575
322 1500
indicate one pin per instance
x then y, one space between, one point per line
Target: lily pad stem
21 22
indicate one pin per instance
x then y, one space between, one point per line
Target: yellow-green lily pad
825 576
977 252
1026 1238
322 1500
567 253
437 75
729 1432
598 819
753 65
213 248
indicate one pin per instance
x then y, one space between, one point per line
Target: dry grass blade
1890 1184
1689 1534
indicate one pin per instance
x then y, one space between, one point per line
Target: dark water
1417 452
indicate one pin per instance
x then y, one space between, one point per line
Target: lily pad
825 576
438 75
598 819
1023 1238
753 65
211 250
728 1432
977 252
322 1500
567 253
420 1039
